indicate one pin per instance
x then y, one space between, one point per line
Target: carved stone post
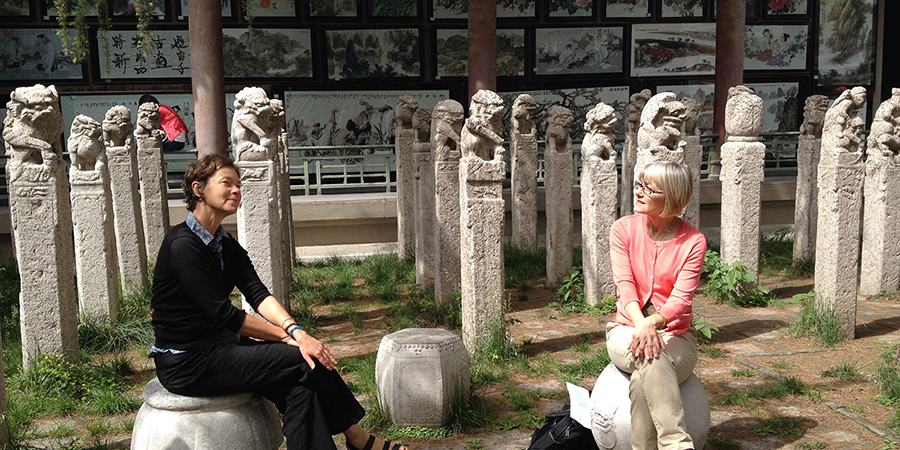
92 217
841 172
559 177
278 133
42 222
406 182
693 158
743 164
805 206
425 215
446 124
254 145
659 137
629 150
881 235
154 192
598 207
481 174
118 132
524 160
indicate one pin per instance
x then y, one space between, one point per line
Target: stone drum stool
227 422
420 373
611 410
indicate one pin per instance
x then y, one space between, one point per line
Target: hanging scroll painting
846 54
168 57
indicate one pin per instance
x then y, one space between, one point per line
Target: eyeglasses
645 189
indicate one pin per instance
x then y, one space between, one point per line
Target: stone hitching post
278 133
598 207
524 161
254 145
559 177
881 235
481 174
424 212
805 206
693 158
406 183
629 150
743 161
92 217
42 223
152 170
841 172
118 132
659 137
446 124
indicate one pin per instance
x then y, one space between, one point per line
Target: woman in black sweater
201 346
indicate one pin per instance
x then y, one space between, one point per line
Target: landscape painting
578 50
624 9
571 8
783 111
128 8
354 54
458 9
775 47
267 53
394 8
74 5
35 54
226 8
332 8
682 8
673 49
846 53
15 8
453 53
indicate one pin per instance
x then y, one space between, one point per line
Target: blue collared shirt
214 242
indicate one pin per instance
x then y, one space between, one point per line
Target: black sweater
190 302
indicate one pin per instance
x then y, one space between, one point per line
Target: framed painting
846 53
681 9
787 7
775 47
704 93
673 49
783 111
394 8
128 7
752 9
627 9
273 8
226 8
333 8
73 5
355 54
570 8
15 8
578 50
453 53
458 9
35 54
168 57
267 53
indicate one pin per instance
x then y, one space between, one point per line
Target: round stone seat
419 374
227 422
611 410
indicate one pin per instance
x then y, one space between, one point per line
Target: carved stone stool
227 422
611 410
420 373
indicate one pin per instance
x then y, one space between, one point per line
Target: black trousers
316 404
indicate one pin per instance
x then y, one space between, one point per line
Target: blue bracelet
293 328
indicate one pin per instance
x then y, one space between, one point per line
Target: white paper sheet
580 402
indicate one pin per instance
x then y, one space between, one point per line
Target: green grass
742 373
887 376
781 425
722 443
845 371
773 388
817 445
819 324
589 365
523 266
776 256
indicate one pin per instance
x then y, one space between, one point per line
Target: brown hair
200 171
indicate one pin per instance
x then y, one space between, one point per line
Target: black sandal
387 445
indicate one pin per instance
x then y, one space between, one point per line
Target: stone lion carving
85 145
633 111
406 108
480 136
522 110
842 126
691 111
118 131
252 118
446 125
743 114
31 130
884 137
814 116
559 120
661 122
598 141
148 123
421 123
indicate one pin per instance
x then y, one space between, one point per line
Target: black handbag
562 432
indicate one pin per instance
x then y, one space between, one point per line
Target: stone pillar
841 172
118 132
92 217
152 170
208 77
406 182
731 15
278 133
881 235
559 177
524 160
693 158
743 164
659 136
629 150
598 208
446 125
805 203
42 222
481 174
425 215
257 218
482 37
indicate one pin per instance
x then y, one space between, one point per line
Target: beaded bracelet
665 320
293 329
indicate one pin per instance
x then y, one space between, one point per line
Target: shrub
732 284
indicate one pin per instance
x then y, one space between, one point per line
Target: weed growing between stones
571 297
773 389
731 283
817 323
845 371
783 425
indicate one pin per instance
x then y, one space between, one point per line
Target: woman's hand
646 341
311 347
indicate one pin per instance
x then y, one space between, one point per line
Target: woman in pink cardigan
656 260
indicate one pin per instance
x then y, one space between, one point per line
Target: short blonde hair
674 180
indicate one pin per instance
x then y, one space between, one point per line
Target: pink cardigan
665 273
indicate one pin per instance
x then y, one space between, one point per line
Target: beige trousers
657 412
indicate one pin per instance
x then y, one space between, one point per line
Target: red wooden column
730 21
208 76
482 45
